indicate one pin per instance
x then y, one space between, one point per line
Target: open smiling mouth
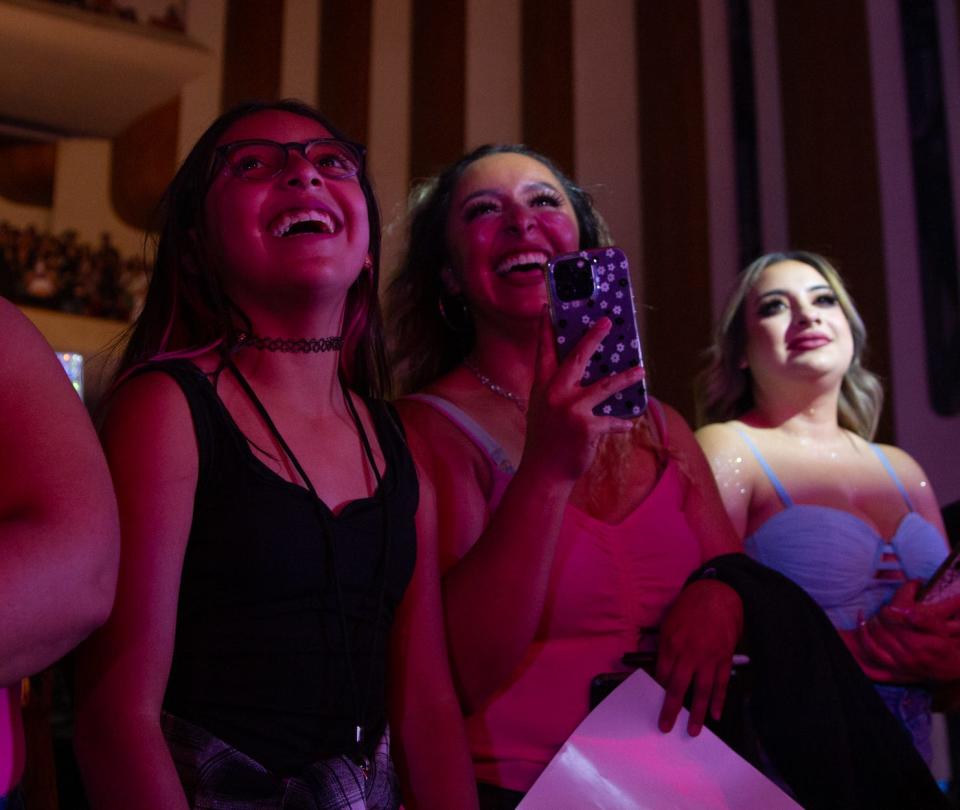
295 223
530 261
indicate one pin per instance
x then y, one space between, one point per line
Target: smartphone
583 287
945 582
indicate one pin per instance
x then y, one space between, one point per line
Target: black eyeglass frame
359 152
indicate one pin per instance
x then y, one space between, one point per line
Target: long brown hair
187 310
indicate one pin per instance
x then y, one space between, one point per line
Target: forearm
494 597
434 759
57 584
126 763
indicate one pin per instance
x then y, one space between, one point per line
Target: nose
300 172
807 313
520 219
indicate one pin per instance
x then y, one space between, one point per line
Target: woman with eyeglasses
267 502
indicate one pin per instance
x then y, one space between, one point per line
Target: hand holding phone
583 287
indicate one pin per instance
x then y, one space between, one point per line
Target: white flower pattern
611 299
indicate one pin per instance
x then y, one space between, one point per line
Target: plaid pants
218 777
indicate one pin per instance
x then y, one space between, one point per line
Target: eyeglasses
258 160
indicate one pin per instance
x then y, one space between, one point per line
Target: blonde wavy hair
725 389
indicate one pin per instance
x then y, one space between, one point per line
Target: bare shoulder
149 427
718 438
434 439
905 465
458 474
18 330
28 365
50 451
915 481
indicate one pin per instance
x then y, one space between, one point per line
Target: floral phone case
583 287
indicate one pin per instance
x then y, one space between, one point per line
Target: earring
460 322
368 264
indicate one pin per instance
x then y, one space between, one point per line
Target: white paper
618 759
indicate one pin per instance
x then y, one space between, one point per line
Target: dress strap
785 498
471 428
890 471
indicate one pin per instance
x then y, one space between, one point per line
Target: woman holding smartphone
856 524
565 537
267 502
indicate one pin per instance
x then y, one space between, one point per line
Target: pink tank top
608 582
11 739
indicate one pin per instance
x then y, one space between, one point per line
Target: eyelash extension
476 209
552 200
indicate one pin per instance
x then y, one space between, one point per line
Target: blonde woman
791 413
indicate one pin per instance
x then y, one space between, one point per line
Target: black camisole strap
360 702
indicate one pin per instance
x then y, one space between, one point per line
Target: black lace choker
294 345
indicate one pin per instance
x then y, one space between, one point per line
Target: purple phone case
620 349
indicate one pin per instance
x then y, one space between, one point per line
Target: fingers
569 374
572 368
945 608
702 692
603 389
709 693
721 680
676 688
938 618
906 594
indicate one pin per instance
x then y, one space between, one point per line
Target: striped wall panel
831 154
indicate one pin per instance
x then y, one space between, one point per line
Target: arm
122 671
734 481
479 565
430 742
493 597
59 539
702 628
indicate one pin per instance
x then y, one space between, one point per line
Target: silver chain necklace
499 390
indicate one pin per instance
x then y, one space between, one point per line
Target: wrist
546 476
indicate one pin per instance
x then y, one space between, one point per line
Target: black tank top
259 657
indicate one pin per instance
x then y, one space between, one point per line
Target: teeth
519 260
283 224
